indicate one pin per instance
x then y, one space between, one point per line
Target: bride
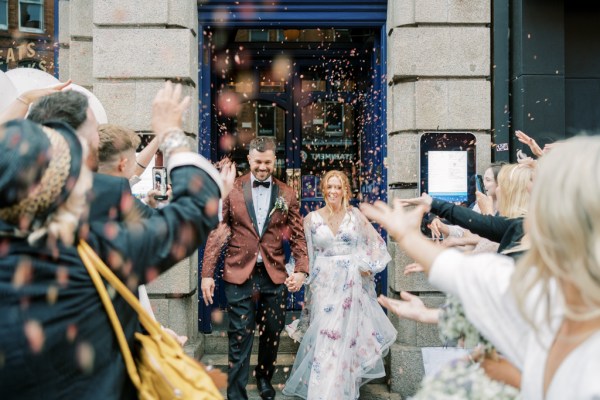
344 332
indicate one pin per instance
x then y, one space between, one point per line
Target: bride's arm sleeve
309 245
372 253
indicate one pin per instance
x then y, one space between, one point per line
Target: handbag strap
93 264
149 324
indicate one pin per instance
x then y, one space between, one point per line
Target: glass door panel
256 118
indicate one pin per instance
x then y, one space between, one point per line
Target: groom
259 213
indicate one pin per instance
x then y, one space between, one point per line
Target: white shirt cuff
443 271
188 158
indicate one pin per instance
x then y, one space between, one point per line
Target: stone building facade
439 68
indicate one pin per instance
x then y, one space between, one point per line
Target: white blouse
482 282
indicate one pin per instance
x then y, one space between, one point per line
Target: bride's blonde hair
564 229
345 187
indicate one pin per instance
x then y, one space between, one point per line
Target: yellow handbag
162 370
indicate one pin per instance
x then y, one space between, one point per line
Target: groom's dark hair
262 144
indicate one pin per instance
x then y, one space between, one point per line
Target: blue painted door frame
302 14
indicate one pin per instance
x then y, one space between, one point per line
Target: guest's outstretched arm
405 227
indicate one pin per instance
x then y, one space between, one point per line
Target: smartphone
160 182
479 184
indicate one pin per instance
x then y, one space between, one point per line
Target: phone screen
479 183
160 182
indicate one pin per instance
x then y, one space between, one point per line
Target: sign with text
448 166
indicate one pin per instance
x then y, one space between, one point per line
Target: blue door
317 91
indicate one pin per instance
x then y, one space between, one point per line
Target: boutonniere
280 205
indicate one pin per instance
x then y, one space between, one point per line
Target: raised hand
33 95
529 141
424 200
228 174
168 109
485 203
410 307
396 221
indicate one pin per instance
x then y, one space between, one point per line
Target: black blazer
55 337
506 231
111 200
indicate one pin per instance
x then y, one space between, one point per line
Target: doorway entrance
318 91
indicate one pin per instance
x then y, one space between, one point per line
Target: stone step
217 342
282 369
285 362
369 391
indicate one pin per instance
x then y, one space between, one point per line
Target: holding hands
295 281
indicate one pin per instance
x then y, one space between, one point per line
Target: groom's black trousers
257 302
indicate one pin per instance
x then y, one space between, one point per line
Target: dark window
3 14
31 15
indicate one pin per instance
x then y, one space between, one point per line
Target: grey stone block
141 12
453 11
439 51
403 157
483 152
406 369
180 280
130 103
428 334
400 12
406 12
80 19
158 54
452 104
64 63
64 27
415 282
401 106
133 12
177 314
80 63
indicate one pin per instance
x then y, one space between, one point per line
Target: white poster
447 175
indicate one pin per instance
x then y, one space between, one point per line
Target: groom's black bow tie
266 184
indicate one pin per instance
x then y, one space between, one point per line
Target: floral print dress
344 332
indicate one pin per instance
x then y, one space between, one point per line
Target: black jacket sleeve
140 250
488 226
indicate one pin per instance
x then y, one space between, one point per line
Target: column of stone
137 46
75 41
438 75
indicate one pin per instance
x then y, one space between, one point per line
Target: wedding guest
544 313
507 228
56 340
348 333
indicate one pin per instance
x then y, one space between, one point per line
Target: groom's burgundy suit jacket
239 230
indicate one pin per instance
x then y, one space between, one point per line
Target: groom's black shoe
265 388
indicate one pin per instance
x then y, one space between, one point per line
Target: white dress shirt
261 198
482 282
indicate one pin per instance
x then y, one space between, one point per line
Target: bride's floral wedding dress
344 332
